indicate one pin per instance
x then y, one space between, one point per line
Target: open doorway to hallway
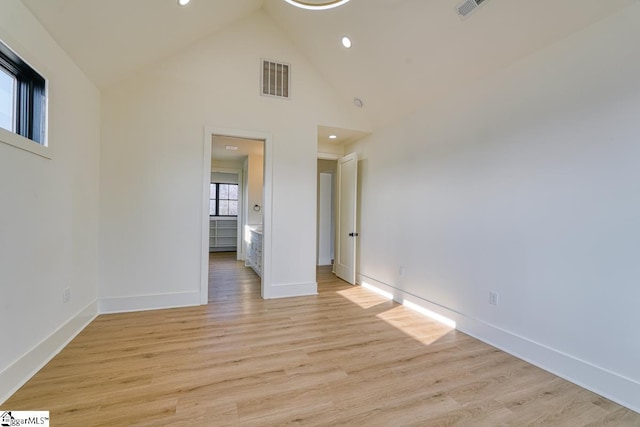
336 223
326 213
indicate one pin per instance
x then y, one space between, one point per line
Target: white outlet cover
493 298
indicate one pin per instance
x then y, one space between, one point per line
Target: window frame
217 199
30 104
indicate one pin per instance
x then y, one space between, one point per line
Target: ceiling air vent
467 7
276 79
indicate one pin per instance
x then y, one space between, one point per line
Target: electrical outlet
66 295
401 271
493 298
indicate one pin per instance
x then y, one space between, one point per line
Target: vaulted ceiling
405 53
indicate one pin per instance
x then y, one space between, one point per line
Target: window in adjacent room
22 97
7 102
223 199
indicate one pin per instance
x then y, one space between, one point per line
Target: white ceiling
342 136
406 53
110 38
245 148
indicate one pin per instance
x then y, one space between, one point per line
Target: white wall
526 184
48 211
255 174
151 163
224 177
226 164
330 150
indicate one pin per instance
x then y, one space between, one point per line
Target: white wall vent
467 7
276 79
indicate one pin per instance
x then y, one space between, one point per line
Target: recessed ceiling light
333 137
231 147
183 2
346 42
316 4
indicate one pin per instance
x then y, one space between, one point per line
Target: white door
346 234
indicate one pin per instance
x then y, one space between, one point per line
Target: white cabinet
223 234
254 251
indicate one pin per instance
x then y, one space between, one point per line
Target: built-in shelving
223 234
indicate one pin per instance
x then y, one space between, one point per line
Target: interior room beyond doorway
236 200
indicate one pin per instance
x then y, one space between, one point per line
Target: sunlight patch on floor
362 298
430 314
403 316
381 292
416 327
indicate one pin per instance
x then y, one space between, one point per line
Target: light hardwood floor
345 357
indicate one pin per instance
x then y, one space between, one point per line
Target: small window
22 97
223 199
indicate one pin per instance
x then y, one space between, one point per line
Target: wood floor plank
344 357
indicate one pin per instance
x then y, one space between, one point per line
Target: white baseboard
611 385
290 290
21 371
148 302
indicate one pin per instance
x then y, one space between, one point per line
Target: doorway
336 219
236 202
236 199
326 212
